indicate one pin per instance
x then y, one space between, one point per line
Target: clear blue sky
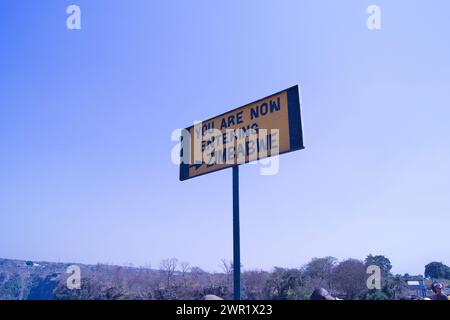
86 118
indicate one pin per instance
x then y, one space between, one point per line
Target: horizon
157 267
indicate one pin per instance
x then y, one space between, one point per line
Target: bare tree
227 267
185 268
168 266
198 275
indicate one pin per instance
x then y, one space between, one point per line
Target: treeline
179 280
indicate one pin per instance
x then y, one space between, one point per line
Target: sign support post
236 237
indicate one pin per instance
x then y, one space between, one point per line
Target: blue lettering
239 118
264 108
223 124
254 113
231 120
275 106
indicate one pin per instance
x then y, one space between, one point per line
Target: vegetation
437 270
179 280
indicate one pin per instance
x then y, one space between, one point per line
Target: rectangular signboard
261 129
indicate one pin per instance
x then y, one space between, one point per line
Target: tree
437 270
285 284
141 284
318 272
168 266
11 288
395 286
185 268
92 288
349 276
253 284
380 261
227 267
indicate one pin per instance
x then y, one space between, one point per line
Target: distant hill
37 280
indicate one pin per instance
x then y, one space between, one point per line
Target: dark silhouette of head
437 287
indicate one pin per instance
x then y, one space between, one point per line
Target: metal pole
236 238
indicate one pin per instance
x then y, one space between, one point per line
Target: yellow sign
261 129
